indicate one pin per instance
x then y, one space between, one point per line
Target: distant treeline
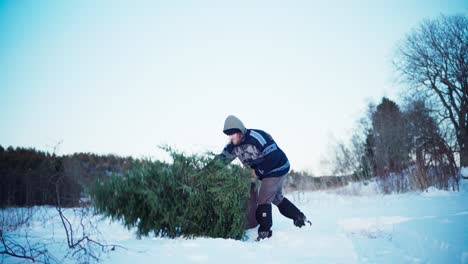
31 177
301 181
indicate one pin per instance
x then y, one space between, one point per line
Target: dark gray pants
271 190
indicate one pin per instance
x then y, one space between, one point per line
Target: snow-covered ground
350 225
464 172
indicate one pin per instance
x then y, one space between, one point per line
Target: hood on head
233 125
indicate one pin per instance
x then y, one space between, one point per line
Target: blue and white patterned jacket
259 151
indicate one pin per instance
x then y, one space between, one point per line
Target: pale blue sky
123 77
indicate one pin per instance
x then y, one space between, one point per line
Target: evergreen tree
390 138
192 196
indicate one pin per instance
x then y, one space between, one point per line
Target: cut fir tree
194 196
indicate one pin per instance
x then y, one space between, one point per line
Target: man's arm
226 155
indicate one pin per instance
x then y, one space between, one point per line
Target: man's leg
267 193
279 195
288 209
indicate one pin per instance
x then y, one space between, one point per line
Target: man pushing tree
257 149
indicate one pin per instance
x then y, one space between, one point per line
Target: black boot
301 220
263 235
263 215
289 210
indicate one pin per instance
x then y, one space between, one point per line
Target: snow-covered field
350 225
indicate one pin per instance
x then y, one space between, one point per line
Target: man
257 149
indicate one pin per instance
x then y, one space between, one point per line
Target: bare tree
434 162
351 158
433 60
15 240
81 243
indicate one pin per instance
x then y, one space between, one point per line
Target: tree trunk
464 155
251 207
463 143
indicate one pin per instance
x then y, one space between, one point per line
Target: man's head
234 128
236 138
